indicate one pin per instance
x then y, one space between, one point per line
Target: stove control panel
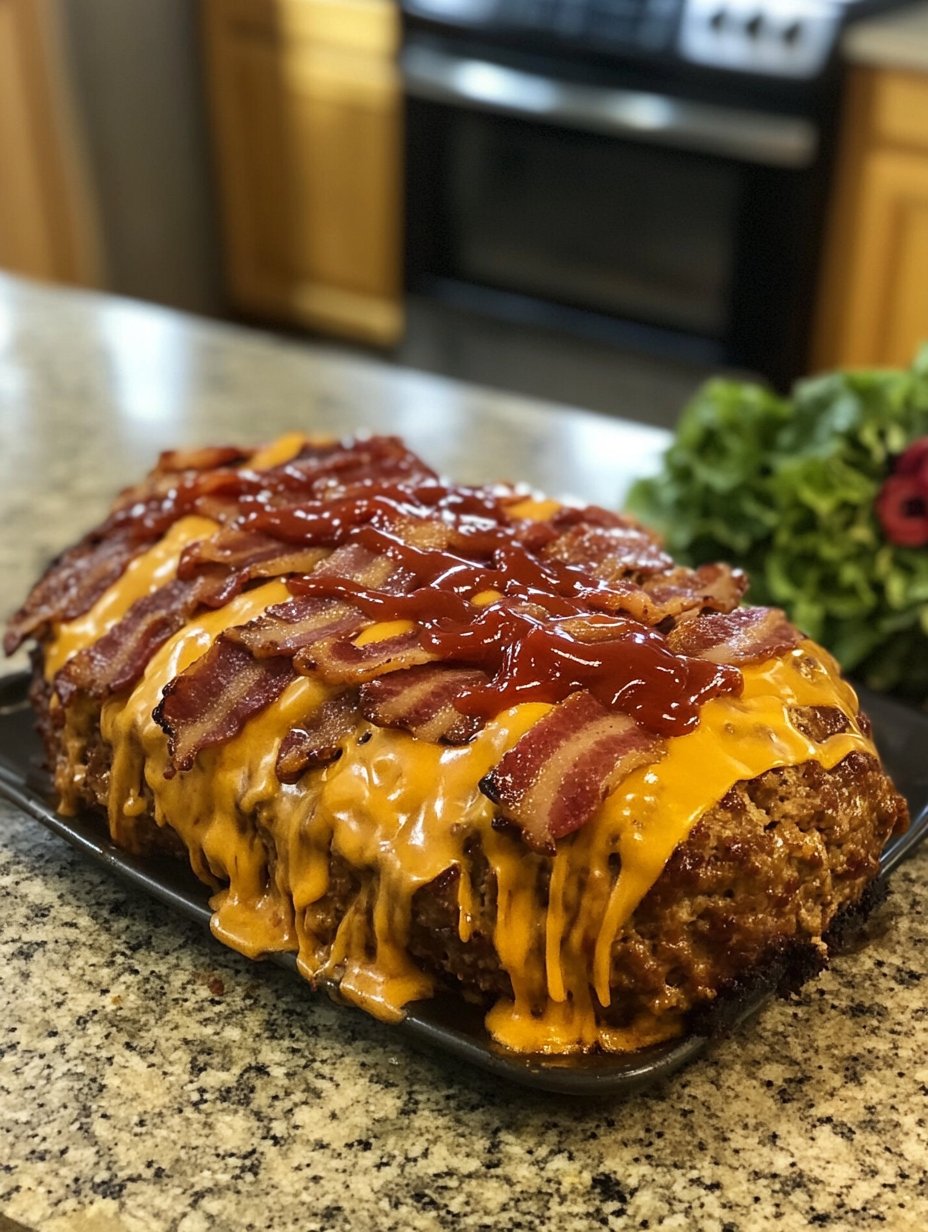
607 26
789 39
785 38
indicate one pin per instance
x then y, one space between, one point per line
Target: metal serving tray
445 1022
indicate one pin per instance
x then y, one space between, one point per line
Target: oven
628 191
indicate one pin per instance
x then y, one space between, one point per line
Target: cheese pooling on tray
421 733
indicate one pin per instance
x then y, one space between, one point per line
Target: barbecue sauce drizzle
550 628
553 629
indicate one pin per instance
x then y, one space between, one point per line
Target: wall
136 69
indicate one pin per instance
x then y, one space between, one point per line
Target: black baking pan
445 1023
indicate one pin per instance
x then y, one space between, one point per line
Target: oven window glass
642 233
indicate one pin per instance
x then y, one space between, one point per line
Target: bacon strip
718 587
117 660
302 621
200 481
357 563
236 548
675 592
215 697
233 557
338 660
746 635
287 628
73 583
555 778
421 700
249 666
225 588
340 464
610 553
318 739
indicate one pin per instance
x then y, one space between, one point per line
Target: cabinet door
45 225
887 311
310 161
873 306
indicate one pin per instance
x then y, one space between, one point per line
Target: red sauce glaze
556 628
314 471
547 636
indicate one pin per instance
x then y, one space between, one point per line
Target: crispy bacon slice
288 628
302 621
318 739
233 557
594 628
356 563
215 697
675 592
339 660
117 660
746 635
421 700
717 587
236 548
73 583
610 553
162 496
250 665
336 465
589 515
555 778
224 588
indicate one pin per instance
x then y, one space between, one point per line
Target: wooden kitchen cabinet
874 300
307 122
46 225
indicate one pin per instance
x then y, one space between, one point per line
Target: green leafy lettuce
786 488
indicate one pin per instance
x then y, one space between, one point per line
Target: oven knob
791 33
717 20
754 25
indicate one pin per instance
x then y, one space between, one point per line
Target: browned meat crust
772 867
768 868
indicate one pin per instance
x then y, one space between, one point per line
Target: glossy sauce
552 630
526 638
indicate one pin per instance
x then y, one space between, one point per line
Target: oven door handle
727 132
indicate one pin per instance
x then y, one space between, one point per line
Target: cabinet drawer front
369 26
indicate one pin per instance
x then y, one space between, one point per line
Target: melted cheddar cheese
282 450
142 576
398 812
154 567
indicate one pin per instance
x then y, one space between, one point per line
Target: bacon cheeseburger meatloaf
426 735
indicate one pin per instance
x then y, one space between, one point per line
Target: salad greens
786 487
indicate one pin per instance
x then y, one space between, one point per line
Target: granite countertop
150 1079
894 40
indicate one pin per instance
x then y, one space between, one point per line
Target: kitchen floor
542 364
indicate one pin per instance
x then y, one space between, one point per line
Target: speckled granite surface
151 1080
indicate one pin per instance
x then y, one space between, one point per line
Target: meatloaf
432 736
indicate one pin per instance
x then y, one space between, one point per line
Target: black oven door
681 226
